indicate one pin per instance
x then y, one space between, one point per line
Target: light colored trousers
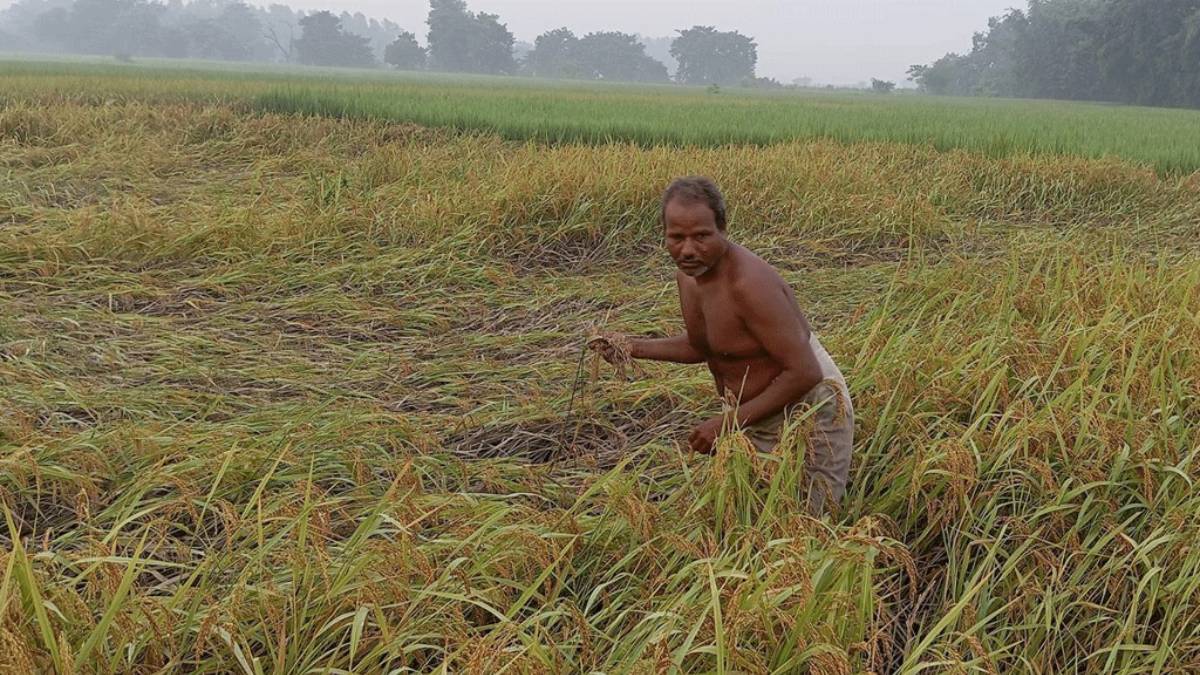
830 442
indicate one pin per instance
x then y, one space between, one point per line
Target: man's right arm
675 349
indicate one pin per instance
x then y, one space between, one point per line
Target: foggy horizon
842 43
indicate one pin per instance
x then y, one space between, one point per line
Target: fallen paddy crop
278 393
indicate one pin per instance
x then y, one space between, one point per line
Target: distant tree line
1130 51
457 40
206 29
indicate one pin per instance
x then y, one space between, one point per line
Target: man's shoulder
753 275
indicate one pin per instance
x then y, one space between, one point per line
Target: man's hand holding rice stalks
617 350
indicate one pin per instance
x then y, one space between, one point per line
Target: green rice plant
595 113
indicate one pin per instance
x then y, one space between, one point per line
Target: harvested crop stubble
232 427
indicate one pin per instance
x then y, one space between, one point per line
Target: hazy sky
839 41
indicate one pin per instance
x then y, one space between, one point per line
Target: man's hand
704 436
617 349
605 346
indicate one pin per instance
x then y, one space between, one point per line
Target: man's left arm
773 319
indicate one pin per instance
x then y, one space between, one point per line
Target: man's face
693 239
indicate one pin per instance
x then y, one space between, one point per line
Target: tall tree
494 47
555 54
1134 51
1150 51
280 27
995 55
990 68
1190 53
951 75
619 57
462 41
404 53
1057 56
235 34
21 21
605 55
323 43
709 56
450 32
109 27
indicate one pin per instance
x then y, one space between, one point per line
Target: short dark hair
693 189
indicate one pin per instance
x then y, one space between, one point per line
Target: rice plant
287 393
585 112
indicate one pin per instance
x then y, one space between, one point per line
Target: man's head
693 218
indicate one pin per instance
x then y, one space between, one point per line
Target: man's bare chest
715 326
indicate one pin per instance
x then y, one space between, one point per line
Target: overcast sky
838 41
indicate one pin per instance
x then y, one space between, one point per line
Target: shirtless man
743 321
